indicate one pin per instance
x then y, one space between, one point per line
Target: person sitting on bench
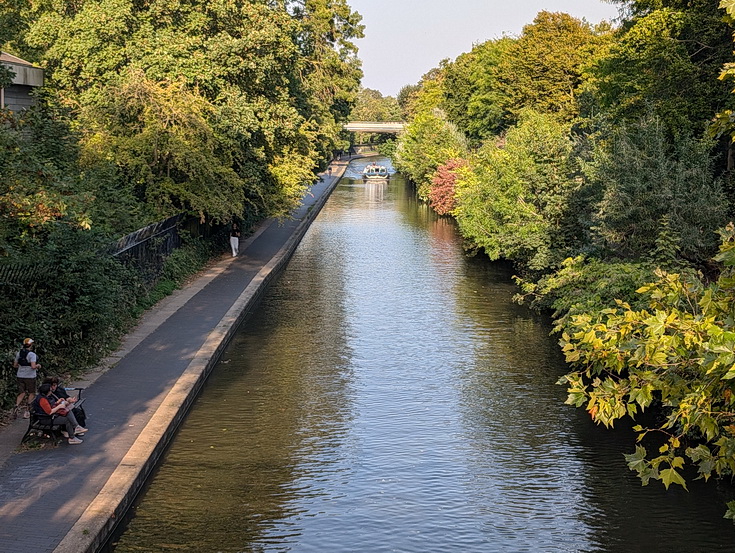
43 404
58 393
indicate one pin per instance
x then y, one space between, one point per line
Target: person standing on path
26 361
235 239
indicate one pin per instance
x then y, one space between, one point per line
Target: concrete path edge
98 522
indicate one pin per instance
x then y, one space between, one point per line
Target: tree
161 137
472 95
329 71
667 59
428 142
442 191
371 105
406 98
458 88
265 81
40 185
544 68
513 201
486 105
644 178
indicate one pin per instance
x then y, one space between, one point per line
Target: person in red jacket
45 404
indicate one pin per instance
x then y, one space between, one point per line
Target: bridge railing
375 126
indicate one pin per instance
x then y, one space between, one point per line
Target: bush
442 191
584 285
72 299
181 264
678 354
646 178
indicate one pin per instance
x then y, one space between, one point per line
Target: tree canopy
205 107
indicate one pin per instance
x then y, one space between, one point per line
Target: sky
404 39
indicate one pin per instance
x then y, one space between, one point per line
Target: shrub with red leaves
441 193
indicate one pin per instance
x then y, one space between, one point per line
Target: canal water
389 396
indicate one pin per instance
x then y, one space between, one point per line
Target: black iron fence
146 249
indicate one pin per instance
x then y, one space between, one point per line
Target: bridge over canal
375 126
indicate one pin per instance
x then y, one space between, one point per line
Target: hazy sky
406 38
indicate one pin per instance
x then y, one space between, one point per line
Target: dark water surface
388 396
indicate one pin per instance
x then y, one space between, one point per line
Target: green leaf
730 374
637 461
730 513
729 6
670 476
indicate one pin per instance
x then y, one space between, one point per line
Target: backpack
23 358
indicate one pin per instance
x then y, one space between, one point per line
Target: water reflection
388 395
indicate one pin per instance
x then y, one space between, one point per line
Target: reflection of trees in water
512 413
691 521
443 231
275 427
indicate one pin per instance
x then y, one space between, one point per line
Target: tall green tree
330 70
645 178
458 88
406 98
543 69
267 83
472 95
486 105
371 105
513 202
667 58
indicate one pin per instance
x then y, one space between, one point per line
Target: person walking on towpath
26 361
235 239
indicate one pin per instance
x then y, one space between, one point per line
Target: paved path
65 499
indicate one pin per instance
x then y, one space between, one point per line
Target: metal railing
146 249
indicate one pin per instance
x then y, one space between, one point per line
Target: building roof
26 74
9 58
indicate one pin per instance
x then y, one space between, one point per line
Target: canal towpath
67 499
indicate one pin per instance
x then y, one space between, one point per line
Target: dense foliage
443 193
513 204
205 107
428 142
645 177
678 352
667 58
585 155
543 68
